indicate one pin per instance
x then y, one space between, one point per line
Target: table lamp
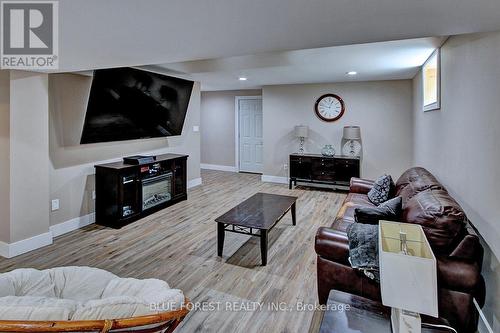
351 141
301 132
408 276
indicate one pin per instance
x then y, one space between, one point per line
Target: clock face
351 148
329 107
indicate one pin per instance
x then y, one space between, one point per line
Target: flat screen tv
127 104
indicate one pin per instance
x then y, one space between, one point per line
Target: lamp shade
407 281
301 131
352 133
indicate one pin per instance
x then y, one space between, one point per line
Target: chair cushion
27 282
80 283
81 293
36 308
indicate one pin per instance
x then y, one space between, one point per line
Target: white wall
218 125
72 164
29 160
383 109
459 143
4 156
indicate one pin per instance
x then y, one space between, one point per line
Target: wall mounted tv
127 104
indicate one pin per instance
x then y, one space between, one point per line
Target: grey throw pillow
381 190
390 210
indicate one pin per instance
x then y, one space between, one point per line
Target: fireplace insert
156 190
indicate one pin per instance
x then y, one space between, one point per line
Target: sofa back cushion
415 180
441 217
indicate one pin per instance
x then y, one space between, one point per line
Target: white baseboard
10 250
483 326
73 224
274 179
219 167
194 182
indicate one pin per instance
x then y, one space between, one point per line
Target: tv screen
128 103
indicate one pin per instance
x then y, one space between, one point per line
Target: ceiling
111 33
373 61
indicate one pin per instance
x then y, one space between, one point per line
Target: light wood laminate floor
178 244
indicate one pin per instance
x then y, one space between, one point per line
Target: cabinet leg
290 184
220 238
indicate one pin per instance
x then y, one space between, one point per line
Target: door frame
237 100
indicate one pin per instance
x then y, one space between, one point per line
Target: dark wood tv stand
127 192
315 169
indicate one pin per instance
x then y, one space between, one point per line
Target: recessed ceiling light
352 73
242 78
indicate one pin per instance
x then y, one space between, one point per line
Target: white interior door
250 135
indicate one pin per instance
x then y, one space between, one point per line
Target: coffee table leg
294 219
263 246
220 238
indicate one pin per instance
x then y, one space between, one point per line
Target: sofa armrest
469 248
360 185
459 275
332 245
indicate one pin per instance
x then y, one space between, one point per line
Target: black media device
139 159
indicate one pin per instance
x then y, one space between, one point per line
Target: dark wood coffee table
255 216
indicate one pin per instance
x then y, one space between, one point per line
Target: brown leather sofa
457 248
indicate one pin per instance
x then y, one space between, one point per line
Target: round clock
329 107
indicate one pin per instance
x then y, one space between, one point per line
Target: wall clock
329 107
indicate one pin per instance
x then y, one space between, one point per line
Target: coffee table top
260 211
349 313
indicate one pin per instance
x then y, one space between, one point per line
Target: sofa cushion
36 308
381 190
441 217
415 180
345 215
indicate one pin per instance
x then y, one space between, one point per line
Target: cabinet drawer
341 162
328 176
323 164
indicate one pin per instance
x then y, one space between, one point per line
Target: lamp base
403 321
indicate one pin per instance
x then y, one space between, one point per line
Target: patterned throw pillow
381 190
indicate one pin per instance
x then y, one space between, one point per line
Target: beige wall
383 109
218 125
29 158
4 156
459 143
72 164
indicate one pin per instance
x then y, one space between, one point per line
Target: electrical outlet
55 204
285 166
93 195
196 128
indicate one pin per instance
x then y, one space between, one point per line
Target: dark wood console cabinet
319 169
127 192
